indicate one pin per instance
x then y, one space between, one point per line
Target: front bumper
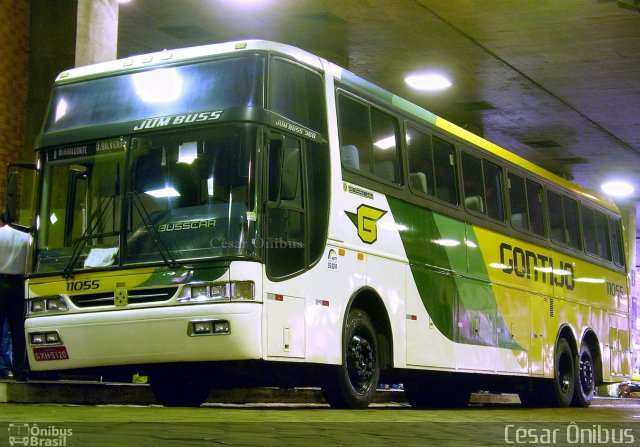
144 336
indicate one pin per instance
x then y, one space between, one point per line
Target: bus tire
353 384
585 379
562 386
181 387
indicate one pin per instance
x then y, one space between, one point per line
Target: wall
14 57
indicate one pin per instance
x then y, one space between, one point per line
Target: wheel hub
361 360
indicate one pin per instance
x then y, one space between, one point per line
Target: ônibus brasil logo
35 435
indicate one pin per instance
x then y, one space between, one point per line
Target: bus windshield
158 92
184 195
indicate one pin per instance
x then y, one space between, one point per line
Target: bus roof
204 52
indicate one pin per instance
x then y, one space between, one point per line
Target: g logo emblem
366 221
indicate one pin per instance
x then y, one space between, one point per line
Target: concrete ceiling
557 82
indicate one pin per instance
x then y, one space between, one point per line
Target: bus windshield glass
203 87
183 196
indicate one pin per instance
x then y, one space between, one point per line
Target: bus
249 214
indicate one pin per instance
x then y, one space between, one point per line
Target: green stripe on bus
438 253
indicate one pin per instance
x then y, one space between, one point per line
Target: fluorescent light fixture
61 109
162 85
446 242
386 143
617 188
167 191
429 82
188 152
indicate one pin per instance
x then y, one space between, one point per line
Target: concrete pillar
97 31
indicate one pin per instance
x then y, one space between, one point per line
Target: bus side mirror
12 193
15 218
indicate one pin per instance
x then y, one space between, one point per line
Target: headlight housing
217 292
47 304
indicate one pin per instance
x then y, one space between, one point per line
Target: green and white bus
249 214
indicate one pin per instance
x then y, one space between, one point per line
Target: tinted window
298 94
368 140
431 165
563 219
482 186
158 92
525 198
615 227
534 202
518 202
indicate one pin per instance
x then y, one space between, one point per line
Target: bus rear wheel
585 379
179 387
353 384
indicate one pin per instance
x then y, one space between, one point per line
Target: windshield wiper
88 233
166 255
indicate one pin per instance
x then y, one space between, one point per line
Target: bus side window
556 219
563 220
518 202
615 229
571 221
355 134
482 186
444 165
534 204
386 155
420 155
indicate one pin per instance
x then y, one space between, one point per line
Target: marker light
617 189
430 82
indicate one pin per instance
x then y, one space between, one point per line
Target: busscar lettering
536 267
190 225
172 120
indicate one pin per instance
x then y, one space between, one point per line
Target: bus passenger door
284 247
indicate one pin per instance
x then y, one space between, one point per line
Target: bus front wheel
563 384
353 383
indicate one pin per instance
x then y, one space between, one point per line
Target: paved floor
315 425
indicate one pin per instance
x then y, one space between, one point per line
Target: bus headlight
217 292
47 304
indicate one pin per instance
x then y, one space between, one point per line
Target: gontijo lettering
528 264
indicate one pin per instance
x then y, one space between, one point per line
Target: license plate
50 353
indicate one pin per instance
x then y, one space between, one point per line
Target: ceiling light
167 191
161 85
386 143
428 82
617 188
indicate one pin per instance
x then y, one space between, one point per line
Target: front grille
135 296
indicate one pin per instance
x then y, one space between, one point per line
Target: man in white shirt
13 257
